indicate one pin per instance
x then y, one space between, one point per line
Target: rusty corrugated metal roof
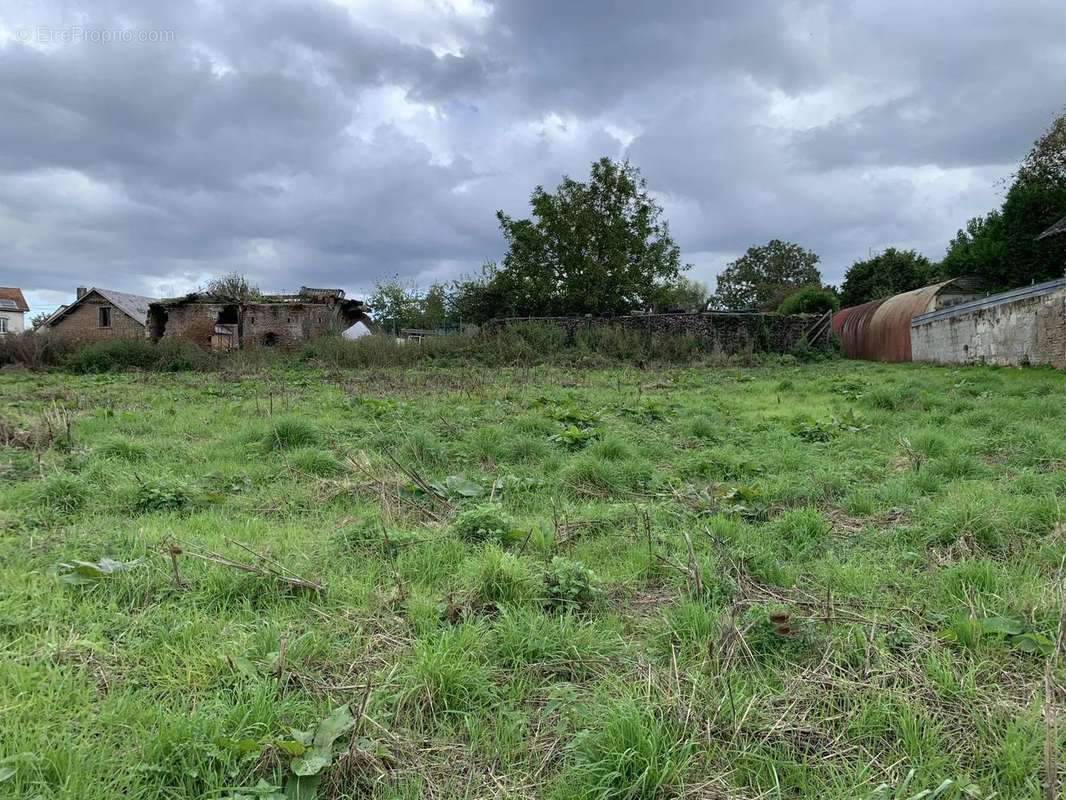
851 325
881 329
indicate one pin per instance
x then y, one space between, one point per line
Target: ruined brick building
281 320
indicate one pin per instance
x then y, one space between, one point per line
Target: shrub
123 450
443 676
290 433
63 493
113 356
627 752
800 531
590 475
561 646
811 300
161 494
369 537
691 622
169 355
35 349
502 579
483 522
314 461
177 355
570 585
703 427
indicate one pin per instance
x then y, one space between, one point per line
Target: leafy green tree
684 294
435 307
472 299
599 247
395 305
1002 247
886 274
978 249
811 300
232 288
766 275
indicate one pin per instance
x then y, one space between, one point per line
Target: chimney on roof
81 292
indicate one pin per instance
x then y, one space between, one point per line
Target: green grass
508 591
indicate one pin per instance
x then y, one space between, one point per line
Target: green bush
315 461
811 300
501 578
63 493
481 523
175 355
124 354
161 494
443 676
123 450
570 585
113 356
626 752
290 433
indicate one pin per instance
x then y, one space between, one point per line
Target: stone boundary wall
724 332
1020 327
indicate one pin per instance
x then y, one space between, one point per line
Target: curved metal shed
881 329
851 325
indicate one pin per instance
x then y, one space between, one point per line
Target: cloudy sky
145 146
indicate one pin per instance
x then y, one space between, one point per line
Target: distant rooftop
12 296
1058 229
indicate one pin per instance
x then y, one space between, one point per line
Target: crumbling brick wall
82 323
283 325
724 332
1026 326
286 325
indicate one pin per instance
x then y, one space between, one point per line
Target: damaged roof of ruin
305 295
1058 229
134 306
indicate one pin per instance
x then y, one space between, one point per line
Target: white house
13 309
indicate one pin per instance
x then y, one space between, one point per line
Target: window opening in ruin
157 322
270 340
105 316
228 316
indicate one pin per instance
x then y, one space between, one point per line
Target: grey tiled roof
134 305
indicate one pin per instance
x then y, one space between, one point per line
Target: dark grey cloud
339 142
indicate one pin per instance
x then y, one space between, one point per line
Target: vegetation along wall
722 331
1022 326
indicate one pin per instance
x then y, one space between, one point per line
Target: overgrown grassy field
835 581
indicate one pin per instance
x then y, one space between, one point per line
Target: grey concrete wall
1028 330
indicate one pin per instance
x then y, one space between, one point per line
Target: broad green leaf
302 787
84 572
1000 625
1032 643
337 723
310 763
6 773
462 486
291 747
